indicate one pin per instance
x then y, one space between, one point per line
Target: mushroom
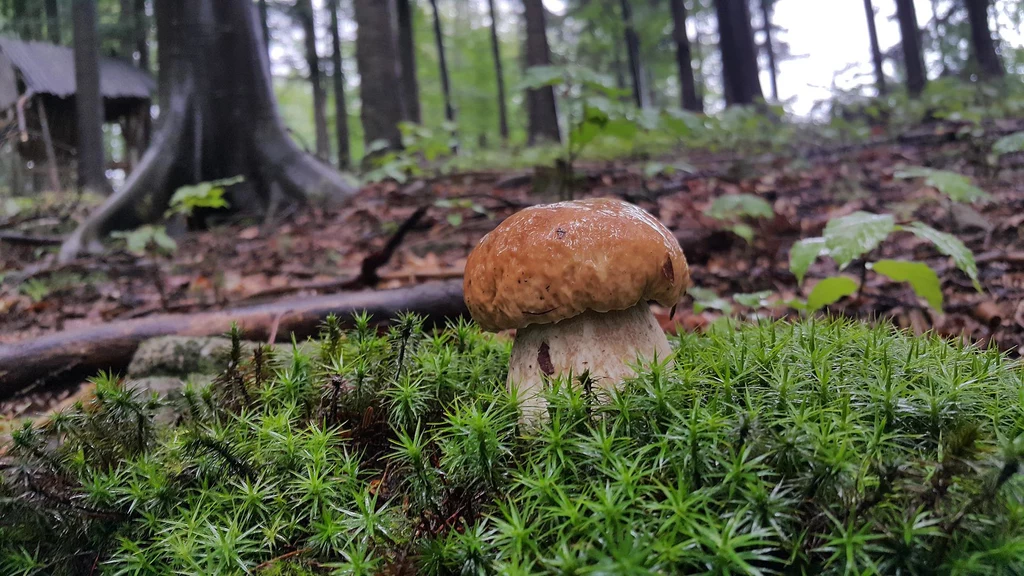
574 280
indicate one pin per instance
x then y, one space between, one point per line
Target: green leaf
653 169
455 220
754 300
950 246
621 128
850 237
704 299
542 76
921 277
1009 144
739 205
743 231
163 241
956 186
829 291
803 254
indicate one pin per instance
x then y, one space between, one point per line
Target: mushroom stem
607 344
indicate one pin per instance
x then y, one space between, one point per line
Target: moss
823 447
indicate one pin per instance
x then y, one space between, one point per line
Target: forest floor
309 250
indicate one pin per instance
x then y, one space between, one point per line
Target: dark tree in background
769 47
379 87
632 51
446 89
739 55
913 56
340 102
304 13
218 119
264 25
684 59
53 21
407 56
876 50
499 73
542 118
983 49
88 102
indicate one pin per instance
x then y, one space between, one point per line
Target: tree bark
540 103
264 26
983 49
407 55
304 10
81 353
684 59
219 119
53 21
449 110
773 70
739 55
913 57
499 73
340 105
876 51
88 101
632 51
378 72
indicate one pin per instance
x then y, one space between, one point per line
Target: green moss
824 447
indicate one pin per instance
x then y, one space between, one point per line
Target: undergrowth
825 447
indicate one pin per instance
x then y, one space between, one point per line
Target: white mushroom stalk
605 346
574 280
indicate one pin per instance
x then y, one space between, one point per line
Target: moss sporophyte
821 447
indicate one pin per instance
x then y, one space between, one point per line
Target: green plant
419 145
148 239
593 110
731 208
821 447
187 199
956 187
35 289
851 237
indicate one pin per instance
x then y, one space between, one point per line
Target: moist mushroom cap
551 262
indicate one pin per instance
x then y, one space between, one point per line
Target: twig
368 271
284 556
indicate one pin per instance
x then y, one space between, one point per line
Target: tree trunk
126 30
110 346
684 58
378 72
407 54
739 55
264 26
304 10
219 119
498 72
449 110
876 51
633 51
340 106
983 49
773 70
88 102
540 103
53 21
913 58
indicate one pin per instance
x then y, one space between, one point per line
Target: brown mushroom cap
552 262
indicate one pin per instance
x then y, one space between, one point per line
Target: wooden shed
37 102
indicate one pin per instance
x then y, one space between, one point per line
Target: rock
180 356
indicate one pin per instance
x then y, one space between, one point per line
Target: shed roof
50 69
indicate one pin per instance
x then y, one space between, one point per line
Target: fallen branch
29 240
83 352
